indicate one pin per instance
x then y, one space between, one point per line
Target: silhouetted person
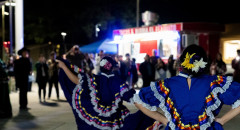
5 104
218 66
171 66
146 69
123 71
53 74
22 69
160 70
236 67
134 72
42 77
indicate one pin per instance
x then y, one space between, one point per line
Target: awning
106 45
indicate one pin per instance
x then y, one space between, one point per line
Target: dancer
191 100
97 102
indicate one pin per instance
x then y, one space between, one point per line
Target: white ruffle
162 105
137 99
93 97
108 76
209 110
79 86
124 91
236 104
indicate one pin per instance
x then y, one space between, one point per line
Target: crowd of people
105 73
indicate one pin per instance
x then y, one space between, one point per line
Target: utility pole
3 32
10 28
137 13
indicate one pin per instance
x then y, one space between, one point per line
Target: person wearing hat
22 69
97 102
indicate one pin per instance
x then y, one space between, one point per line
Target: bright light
117 38
8 4
63 33
58 45
6 13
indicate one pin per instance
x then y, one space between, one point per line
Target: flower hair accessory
190 62
105 64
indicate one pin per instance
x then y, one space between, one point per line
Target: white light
97 29
6 13
117 38
8 4
63 33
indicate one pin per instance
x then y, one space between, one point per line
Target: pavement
57 115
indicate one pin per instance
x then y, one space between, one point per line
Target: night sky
44 20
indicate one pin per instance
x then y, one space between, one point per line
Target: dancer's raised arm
70 75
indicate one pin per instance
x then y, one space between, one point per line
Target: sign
157 28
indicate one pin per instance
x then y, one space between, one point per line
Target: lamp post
97 29
63 36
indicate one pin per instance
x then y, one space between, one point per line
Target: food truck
167 39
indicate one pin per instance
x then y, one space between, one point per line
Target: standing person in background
123 71
76 57
5 104
22 69
171 67
89 65
30 78
218 67
98 58
153 61
236 67
10 72
134 72
128 64
42 77
53 74
146 69
160 70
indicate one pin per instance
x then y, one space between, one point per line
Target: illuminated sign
157 28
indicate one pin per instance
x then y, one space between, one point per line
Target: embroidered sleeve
229 90
147 98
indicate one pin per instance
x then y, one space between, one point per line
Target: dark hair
199 53
238 51
105 69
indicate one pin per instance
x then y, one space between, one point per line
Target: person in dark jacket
146 69
53 74
22 69
42 76
5 104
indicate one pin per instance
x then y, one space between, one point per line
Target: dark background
44 20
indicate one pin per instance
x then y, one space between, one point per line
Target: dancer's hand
60 64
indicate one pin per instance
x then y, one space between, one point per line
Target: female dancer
191 100
97 102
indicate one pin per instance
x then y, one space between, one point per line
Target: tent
106 45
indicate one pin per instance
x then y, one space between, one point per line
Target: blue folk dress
193 108
97 102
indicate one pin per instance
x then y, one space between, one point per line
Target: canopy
106 45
